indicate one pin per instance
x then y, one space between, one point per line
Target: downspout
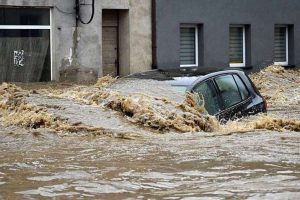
154 43
75 33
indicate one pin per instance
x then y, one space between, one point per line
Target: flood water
42 164
260 165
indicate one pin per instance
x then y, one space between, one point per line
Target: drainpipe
77 11
154 44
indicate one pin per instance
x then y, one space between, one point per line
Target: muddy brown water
261 165
41 164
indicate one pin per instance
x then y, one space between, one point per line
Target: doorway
110 43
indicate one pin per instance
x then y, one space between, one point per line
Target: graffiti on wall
19 58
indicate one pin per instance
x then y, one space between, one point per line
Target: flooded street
171 166
86 142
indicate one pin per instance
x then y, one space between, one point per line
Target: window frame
243 64
195 26
239 88
36 27
286 62
220 93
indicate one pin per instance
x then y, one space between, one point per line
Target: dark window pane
229 90
25 55
243 90
207 92
24 16
236 45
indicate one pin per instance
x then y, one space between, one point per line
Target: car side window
207 92
228 90
243 90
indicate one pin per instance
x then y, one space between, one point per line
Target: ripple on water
50 191
276 196
73 175
97 188
201 198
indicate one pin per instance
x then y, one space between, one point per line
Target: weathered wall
140 34
77 52
63 37
215 17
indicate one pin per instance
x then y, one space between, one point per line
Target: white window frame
286 62
243 64
35 27
196 45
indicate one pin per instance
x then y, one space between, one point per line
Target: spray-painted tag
19 58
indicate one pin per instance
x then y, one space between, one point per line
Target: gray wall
215 17
77 51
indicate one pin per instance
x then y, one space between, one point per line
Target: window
188 46
229 91
237 49
28 16
281 45
207 92
243 90
25 47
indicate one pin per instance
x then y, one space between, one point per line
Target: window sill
193 65
237 65
281 63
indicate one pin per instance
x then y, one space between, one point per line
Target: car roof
210 75
182 81
190 81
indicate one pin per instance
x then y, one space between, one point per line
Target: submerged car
226 94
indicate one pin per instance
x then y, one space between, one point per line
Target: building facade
43 40
211 35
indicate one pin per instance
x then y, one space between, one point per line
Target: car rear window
243 90
228 90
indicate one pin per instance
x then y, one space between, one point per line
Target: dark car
226 94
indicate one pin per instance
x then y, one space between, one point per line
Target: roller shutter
280 46
236 45
188 46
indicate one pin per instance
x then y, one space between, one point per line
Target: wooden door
110 42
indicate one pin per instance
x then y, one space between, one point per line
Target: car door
234 96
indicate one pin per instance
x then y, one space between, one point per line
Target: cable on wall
78 16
